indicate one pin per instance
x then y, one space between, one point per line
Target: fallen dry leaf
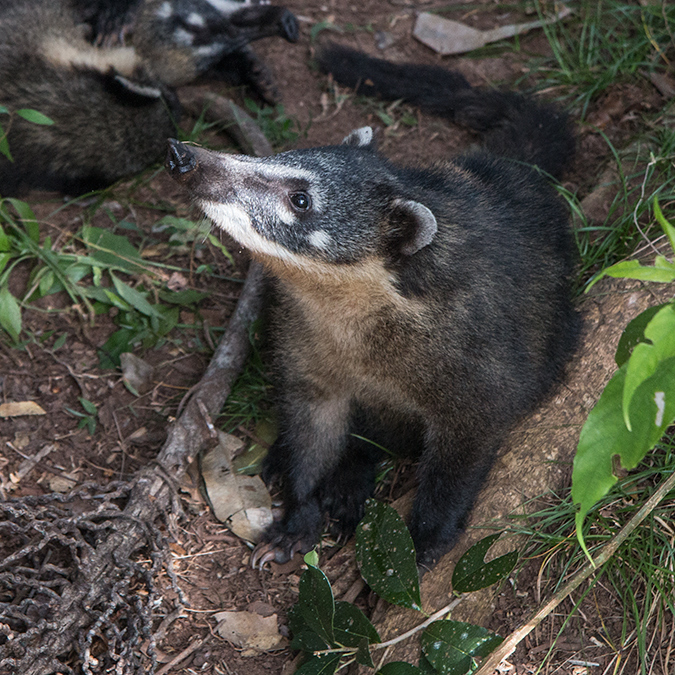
241 502
452 37
250 631
19 408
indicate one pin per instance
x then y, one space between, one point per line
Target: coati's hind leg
307 453
451 472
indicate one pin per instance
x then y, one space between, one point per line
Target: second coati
422 308
112 107
180 40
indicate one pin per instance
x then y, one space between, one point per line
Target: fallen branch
243 130
506 648
93 585
99 583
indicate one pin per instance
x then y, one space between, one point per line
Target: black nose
179 159
289 28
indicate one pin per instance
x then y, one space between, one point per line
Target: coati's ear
416 224
360 138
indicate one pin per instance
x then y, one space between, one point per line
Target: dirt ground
212 565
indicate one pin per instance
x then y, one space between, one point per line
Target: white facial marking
284 214
141 90
208 50
320 239
183 37
195 19
237 223
226 7
279 172
164 11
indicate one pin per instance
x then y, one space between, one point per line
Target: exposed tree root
69 577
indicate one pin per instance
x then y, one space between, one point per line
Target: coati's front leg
307 454
451 472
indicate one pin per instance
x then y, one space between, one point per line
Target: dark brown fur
102 130
422 309
112 107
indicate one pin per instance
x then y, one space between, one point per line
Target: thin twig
399 638
434 617
508 646
182 656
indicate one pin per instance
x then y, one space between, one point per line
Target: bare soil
212 565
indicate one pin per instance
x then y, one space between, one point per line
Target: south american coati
180 40
421 308
112 107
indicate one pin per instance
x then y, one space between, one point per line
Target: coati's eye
300 201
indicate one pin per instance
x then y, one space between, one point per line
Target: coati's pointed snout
180 159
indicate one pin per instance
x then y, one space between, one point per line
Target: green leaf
426 667
647 356
34 116
312 558
604 435
47 283
304 638
399 668
667 227
352 626
135 298
362 654
321 26
214 241
4 240
320 665
112 250
187 297
633 334
170 316
88 406
386 556
27 217
316 604
4 110
118 343
352 629
77 272
632 269
4 144
472 572
110 298
60 341
10 313
4 259
387 120
451 646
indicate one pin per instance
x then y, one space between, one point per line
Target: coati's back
107 122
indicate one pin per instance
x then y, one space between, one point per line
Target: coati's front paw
274 465
280 546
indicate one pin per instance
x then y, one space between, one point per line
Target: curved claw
276 551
